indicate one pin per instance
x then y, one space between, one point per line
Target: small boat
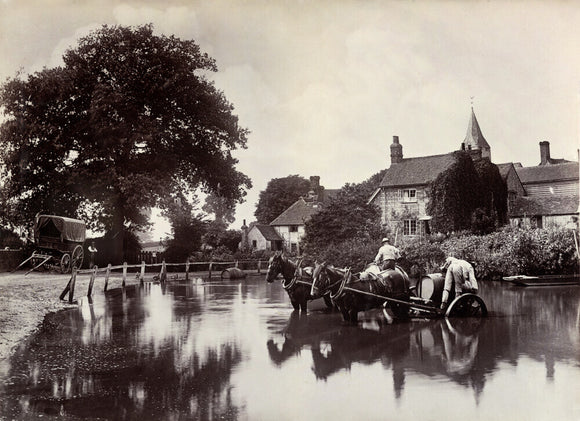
543 280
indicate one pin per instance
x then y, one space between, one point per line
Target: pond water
234 349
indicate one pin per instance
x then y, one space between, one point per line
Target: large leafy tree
280 193
128 120
346 218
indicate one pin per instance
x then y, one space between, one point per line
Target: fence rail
207 268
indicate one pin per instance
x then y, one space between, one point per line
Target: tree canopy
129 119
468 195
280 193
347 217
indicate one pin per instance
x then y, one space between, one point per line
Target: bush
509 251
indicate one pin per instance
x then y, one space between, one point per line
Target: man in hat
461 276
387 255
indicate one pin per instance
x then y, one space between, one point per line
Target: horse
297 280
352 294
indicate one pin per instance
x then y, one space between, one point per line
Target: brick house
402 195
544 195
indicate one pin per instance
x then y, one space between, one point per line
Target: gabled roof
268 232
504 169
417 171
548 173
474 137
298 213
544 205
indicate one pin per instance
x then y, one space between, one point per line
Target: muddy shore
26 299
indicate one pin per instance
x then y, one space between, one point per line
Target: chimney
544 152
396 151
315 183
245 244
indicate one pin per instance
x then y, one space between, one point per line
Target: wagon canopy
52 225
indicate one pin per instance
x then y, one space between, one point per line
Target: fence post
72 286
236 264
163 274
187 270
92 281
259 265
124 273
107 277
210 265
65 290
142 276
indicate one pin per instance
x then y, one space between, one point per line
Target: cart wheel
65 263
77 257
467 305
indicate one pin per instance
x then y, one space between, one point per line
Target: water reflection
196 351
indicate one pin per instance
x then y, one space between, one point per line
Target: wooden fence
199 268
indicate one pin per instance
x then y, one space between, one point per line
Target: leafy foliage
217 235
128 120
10 239
187 225
279 195
468 195
347 217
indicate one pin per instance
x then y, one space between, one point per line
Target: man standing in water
387 255
461 276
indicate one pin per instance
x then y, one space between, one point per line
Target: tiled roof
547 173
504 169
557 205
268 232
298 213
417 171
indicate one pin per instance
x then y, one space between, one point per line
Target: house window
254 244
294 247
293 228
408 195
410 227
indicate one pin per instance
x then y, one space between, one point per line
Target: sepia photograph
289 210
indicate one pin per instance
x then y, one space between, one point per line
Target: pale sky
324 85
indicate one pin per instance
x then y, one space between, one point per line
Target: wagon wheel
65 263
77 257
467 305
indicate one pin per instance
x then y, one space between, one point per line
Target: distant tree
128 120
187 225
217 235
369 186
221 207
347 217
280 193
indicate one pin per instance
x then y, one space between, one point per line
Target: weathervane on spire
471 98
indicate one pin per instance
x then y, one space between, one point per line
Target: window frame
408 195
410 227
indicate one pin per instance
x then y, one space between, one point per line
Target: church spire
474 139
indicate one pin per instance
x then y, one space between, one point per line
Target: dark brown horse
297 280
352 295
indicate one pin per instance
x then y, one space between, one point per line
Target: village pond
235 349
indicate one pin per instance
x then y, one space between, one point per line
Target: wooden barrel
431 287
233 273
